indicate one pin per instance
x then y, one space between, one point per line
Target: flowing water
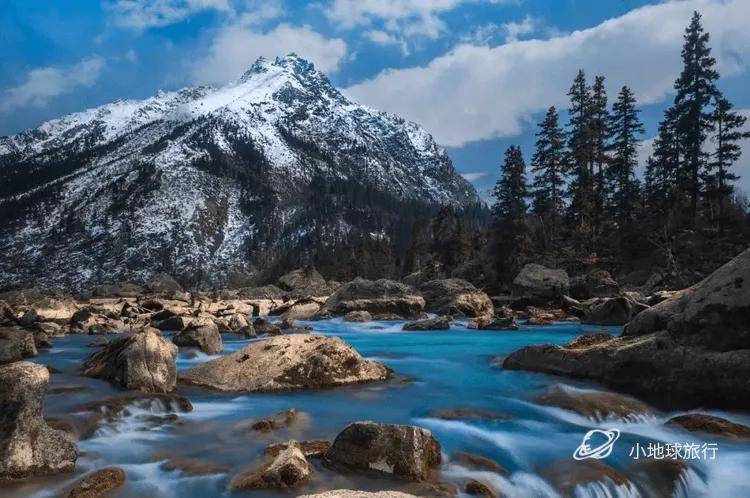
436 370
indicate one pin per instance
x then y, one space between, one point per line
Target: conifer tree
625 126
548 165
581 158
696 89
727 132
510 232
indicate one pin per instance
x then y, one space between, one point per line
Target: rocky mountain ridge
209 184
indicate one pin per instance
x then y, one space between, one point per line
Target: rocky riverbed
376 387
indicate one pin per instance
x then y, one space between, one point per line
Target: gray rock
597 283
288 469
403 451
455 297
202 334
384 298
142 360
28 446
438 323
287 362
541 284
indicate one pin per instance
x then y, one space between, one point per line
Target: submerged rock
143 361
594 404
470 413
98 483
665 477
288 469
493 323
189 467
348 493
287 362
202 334
28 446
358 316
478 462
567 475
710 424
277 421
402 451
439 323
381 298
478 488
455 297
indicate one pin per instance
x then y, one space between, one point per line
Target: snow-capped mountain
205 181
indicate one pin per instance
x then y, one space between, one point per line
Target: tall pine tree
718 178
625 127
696 89
548 165
510 232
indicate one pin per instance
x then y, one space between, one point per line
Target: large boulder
303 309
381 298
16 344
712 314
304 282
162 283
455 297
287 362
202 334
142 361
438 323
597 283
541 285
28 446
403 451
287 469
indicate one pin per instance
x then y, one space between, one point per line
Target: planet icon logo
597 444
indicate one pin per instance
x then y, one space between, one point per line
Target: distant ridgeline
212 184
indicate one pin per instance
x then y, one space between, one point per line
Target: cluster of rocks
690 349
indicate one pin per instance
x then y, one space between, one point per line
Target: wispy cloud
472 177
143 14
45 83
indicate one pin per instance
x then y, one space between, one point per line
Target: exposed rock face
597 283
378 297
348 493
28 446
143 361
202 334
403 451
455 297
289 468
303 309
713 314
263 327
287 362
709 424
16 344
693 349
314 448
99 483
540 284
439 323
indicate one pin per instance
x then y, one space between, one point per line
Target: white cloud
514 30
480 92
384 38
46 83
472 177
408 17
143 14
235 47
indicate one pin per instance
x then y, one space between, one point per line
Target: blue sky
477 74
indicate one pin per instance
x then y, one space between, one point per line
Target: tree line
580 195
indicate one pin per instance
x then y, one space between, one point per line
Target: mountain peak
291 62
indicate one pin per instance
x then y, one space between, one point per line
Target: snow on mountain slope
204 181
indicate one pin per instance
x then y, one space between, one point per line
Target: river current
436 370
